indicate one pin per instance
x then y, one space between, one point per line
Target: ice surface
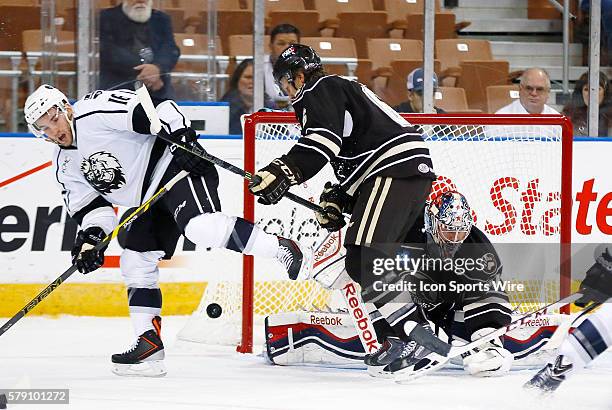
74 353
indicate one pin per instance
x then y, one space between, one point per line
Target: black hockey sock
239 238
144 305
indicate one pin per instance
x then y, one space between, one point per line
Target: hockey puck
214 310
3 401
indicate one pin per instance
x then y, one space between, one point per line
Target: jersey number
119 99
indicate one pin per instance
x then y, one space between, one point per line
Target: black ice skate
145 357
550 377
296 261
414 361
388 351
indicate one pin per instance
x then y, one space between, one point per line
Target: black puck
3 401
214 310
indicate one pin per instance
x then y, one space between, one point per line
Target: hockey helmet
448 219
293 58
39 103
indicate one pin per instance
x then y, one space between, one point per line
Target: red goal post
475 124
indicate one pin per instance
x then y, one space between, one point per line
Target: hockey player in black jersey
446 235
381 162
590 338
105 156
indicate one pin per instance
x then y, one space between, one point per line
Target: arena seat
333 47
499 96
451 99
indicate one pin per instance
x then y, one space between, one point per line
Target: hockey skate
145 357
297 261
414 361
378 361
550 377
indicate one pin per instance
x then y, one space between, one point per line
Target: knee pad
210 230
139 269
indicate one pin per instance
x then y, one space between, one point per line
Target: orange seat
382 51
229 22
333 47
451 99
394 91
444 26
13 21
499 96
242 45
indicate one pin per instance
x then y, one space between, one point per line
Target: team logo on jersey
490 263
103 172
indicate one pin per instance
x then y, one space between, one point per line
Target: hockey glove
273 181
84 256
334 202
187 161
597 285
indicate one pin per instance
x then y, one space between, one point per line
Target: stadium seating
333 47
499 96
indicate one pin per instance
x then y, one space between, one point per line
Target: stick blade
147 104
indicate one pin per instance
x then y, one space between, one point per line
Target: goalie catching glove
273 181
597 284
84 256
334 202
187 161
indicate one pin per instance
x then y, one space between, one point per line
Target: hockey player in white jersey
591 337
106 155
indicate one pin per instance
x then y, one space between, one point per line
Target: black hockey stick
156 126
123 225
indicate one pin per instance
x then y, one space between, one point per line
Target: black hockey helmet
294 57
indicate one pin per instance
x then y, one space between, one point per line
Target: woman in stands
578 106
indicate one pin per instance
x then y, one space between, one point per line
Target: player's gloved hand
188 138
273 181
334 202
86 258
597 284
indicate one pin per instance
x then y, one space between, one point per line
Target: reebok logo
326 321
178 208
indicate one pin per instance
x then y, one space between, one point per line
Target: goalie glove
597 285
187 161
334 202
84 256
489 360
273 181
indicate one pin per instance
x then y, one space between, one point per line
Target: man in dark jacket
137 43
415 85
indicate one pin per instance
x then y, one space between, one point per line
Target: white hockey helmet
39 103
448 219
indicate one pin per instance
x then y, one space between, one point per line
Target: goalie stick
123 225
156 127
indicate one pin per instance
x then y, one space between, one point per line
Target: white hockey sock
142 322
262 243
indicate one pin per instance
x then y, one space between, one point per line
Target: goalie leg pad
491 359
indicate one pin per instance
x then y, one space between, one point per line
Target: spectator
415 84
137 43
240 94
577 108
534 89
280 38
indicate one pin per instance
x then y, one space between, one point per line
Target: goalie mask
46 100
294 58
448 220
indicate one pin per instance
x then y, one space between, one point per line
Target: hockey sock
381 326
252 240
585 343
144 305
397 314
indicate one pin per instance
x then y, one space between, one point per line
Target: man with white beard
137 43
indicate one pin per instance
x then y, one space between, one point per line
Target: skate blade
379 373
409 373
154 368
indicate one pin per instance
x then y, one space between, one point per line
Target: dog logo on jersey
103 172
490 263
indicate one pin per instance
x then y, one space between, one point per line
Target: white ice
74 353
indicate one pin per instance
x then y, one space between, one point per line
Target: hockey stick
156 127
123 225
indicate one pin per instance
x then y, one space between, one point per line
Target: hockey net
514 170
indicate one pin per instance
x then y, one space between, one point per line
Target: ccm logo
328 321
361 319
